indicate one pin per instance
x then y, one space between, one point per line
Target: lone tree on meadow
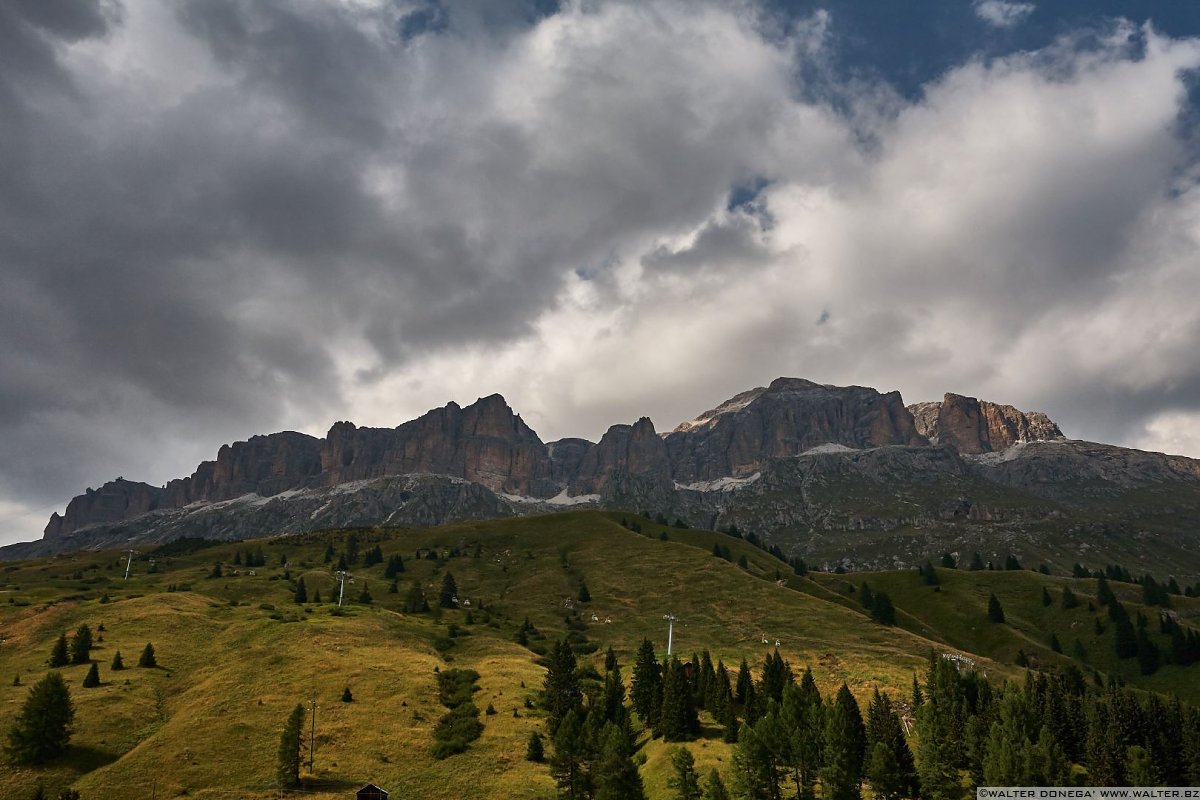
92 679
287 768
995 610
147 659
81 645
43 725
117 663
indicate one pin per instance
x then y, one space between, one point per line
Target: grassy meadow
236 653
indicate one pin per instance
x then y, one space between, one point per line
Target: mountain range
835 475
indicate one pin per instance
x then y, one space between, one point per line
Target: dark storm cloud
227 217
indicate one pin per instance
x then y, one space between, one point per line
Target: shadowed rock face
623 451
485 443
114 501
785 419
264 465
972 426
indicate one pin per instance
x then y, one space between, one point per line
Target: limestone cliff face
972 426
265 465
785 419
625 451
566 457
114 501
485 443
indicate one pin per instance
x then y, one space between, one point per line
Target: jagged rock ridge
809 467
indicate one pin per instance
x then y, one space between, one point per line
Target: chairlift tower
671 620
342 577
129 563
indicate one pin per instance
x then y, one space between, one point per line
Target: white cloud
1003 14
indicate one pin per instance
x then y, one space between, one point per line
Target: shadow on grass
85 759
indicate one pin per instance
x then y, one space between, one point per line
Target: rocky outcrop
114 501
785 419
566 457
264 465
485 443
972 426
624 451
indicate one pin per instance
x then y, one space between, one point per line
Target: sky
220 218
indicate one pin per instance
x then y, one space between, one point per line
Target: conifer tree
92 679
995 614
884 773
646 690
81 645
802 722
678 720
714 787
317 596
976 562
843 747
147 658
561 693
117 663
940 734
347 695
567 761
584 595
745 685
43 725
328 552
301 591
948 561
775 675
756 769
449 593
1069 600
535 750
1046 601
287 764
60 655
414 601
685 782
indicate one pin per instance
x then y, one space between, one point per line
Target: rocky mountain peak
973 426
788 417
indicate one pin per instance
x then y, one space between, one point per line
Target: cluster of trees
460 725
592 735
1031 734
250 558
877 604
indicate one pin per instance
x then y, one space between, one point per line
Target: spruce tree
364 596
535 750
684 781
449 593
414 601
843 748
584 595
1046 601
714 787
646 690
301 591
60 655
802 721
81 645
43 725
117 663
567 761
745 684
678 720
615 775
995 614
147 658
561 693
1069 600
287 764
92 679
884 773
347 695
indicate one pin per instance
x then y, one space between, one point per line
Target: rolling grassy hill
236 653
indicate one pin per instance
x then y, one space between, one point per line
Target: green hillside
236 653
